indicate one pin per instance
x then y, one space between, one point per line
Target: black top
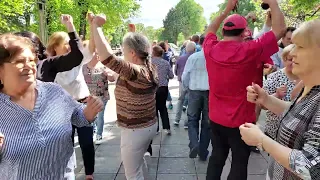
49 67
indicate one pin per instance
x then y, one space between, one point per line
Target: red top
232 66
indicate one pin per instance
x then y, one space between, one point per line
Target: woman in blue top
35 117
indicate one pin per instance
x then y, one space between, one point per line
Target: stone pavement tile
176 166
155 150
156 140
98 176
174 151
152 166
123 177
113 136
256 177
257 166
106 165
177 177
201 167
107 150
179 137
224 176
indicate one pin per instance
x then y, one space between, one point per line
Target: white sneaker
99 140
147 159
168 131
176 123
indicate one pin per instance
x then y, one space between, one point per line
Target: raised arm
257 95
277 18
215 24
121 67
74 57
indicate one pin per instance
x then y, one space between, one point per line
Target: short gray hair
139 44
191 47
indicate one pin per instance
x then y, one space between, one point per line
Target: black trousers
224 138
85 137
161 99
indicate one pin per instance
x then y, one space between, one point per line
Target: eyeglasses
22 62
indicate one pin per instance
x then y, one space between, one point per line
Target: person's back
231 68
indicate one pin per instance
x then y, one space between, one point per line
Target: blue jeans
182 97
100 120
197 106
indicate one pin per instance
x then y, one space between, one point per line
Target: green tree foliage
244 8
186 18
17 15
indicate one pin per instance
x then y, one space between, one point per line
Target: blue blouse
38 144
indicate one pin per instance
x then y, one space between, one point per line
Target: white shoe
168 131
176 123
99 140
147 159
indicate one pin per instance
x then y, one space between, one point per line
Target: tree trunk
83 18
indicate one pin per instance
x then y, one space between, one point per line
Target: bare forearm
102 46
276 105
277 151
278 23
215 24
70 27
92 45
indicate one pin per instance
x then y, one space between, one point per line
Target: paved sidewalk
170 160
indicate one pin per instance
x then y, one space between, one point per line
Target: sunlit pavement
170 160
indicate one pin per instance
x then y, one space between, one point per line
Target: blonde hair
286 52
55 40
308 34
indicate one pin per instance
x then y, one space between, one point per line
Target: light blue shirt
195 75
38 143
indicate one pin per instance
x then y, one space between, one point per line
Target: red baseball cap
235 21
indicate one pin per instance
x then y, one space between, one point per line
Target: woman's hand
94 106
67 20
100 20
281 92
251 134
257 95
90 17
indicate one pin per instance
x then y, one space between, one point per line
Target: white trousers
134 144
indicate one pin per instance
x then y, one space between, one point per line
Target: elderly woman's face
128 53
20 72
305 59
62 48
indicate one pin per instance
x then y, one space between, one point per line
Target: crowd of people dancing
50 92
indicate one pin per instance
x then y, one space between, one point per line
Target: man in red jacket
232 65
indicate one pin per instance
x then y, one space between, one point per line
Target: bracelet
260 144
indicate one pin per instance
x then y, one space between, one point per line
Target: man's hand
267 69
231 5
251 16
94 106
268 19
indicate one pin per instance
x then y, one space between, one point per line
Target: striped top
300 130
37 144
135 94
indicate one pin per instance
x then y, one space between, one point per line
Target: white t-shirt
73 81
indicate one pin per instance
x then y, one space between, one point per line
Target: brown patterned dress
135 94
